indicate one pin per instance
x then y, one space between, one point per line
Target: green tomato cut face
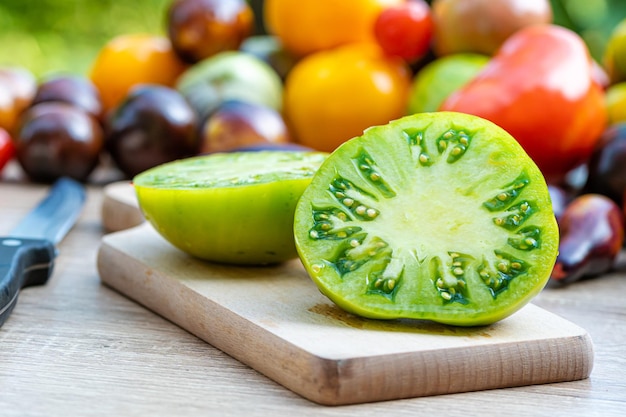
235 208
435 216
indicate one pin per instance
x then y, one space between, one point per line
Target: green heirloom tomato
436 216
441 77
230 75
234 208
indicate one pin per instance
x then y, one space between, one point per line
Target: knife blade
27 254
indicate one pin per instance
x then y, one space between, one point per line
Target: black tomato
73 89
607 165
58 139
238 123
592 234
201 28
153 125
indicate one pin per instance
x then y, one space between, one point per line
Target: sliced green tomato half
435 216
235 208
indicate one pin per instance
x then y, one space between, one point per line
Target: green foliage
47 36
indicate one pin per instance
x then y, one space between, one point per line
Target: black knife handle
23 262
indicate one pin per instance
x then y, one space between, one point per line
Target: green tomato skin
230 75
249 225
440 78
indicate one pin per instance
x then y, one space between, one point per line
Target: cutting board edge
331 381
321 377
537 362
120 209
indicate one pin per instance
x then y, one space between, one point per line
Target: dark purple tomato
607 165
153 125
238 123
592 234
73 89
57 139
199 29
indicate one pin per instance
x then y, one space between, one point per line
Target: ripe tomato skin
481 26
307 26
540 88
405 30
7 148
332 96
199 29
131 59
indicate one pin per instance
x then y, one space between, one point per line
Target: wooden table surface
77 347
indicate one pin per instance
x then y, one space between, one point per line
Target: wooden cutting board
276 321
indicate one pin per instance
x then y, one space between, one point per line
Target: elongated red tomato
539 87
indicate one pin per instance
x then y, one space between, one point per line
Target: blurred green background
594 20
65 35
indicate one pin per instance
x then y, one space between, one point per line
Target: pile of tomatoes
229 74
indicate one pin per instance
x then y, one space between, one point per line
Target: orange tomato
131 59
306 26
332 96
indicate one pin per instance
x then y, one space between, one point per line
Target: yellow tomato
306 26
332 96
131 59
616 102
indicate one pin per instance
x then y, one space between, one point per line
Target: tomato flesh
435 216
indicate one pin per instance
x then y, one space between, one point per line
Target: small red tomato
7 149
540 87
405 30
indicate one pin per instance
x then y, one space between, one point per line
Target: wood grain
276 321
120 210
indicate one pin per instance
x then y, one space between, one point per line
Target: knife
27 254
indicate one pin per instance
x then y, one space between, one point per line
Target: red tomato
405 30
540 88
7 149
